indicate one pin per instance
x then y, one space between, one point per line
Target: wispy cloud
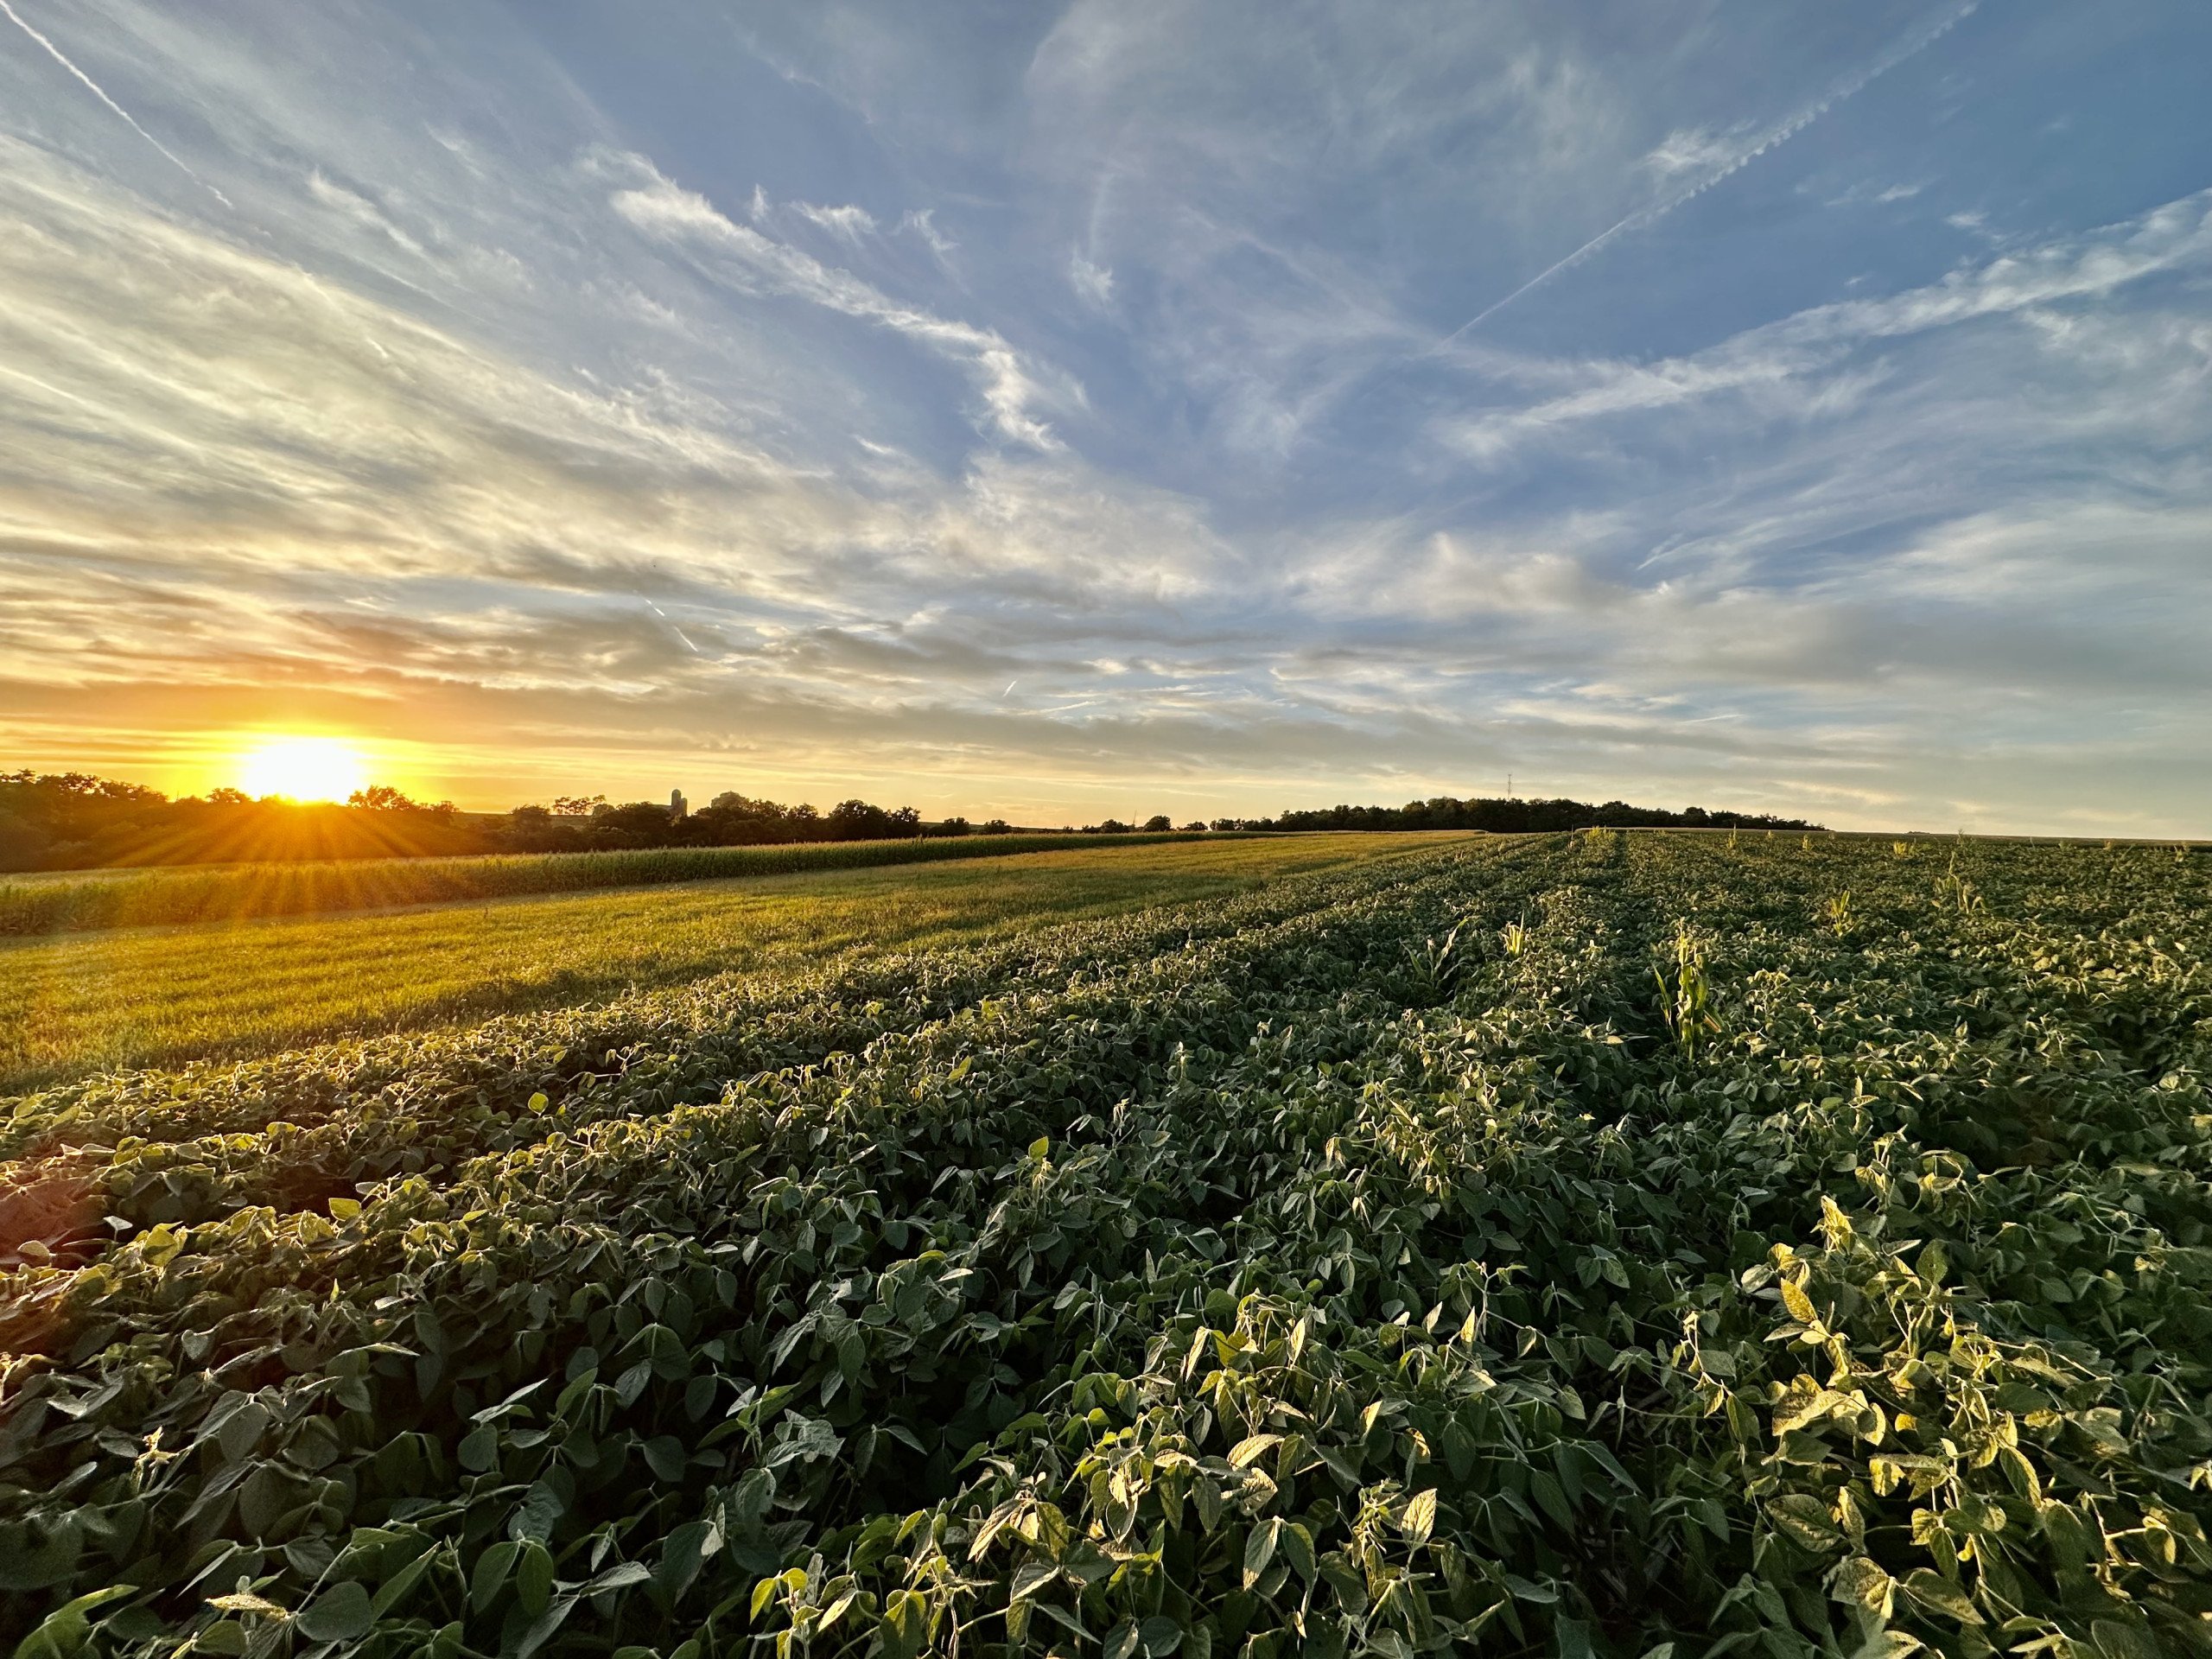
1789 353
922 222
850 222
99 91
1092 283
750 260
1718 158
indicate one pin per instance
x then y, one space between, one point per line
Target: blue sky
1121 407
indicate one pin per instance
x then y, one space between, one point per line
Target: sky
1122 406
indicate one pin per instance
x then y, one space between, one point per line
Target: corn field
1619 1246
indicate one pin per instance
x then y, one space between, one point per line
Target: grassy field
78 900
1604 1247
163 996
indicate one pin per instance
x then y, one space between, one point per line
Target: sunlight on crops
97 999
1568 1247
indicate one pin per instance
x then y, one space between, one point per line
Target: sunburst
302 768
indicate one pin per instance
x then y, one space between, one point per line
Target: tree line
590 824
60 821
1513 816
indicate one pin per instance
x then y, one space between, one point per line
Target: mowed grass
220 990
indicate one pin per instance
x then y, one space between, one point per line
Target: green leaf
1420 1513
394 1589
2117 1641
1886 1644
535 1517
1259 1548
2063 1530
905 1625
1160 1636
489 1576
480 1448
1939 1594
665 1457
1934 1263
63 1632
620 1576
534 1578
684 1552
1249 1450
1805 1521
1863 1583
340 1613
1548 1493
542 1628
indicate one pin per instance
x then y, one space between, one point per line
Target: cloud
1094 284
97 91
851 223
1883 197
1715 159
1783 357
361 211
922 223
754 262
1696 151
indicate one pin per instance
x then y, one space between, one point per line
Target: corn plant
1438 964
1686 992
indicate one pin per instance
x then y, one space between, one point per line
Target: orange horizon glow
302 769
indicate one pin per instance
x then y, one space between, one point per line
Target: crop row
1578 1247
232 892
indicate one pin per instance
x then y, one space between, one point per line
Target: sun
302 769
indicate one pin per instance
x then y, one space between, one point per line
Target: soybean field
1616 1246
231 987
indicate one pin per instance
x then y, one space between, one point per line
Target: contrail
55 53
1782 132
650 606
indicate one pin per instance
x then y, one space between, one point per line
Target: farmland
1618 1245
80 900
159 996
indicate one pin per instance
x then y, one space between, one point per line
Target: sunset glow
302 768
1049 412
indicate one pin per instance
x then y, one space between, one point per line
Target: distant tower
678 806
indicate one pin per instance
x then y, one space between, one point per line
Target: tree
859 820
1158 822
383 798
